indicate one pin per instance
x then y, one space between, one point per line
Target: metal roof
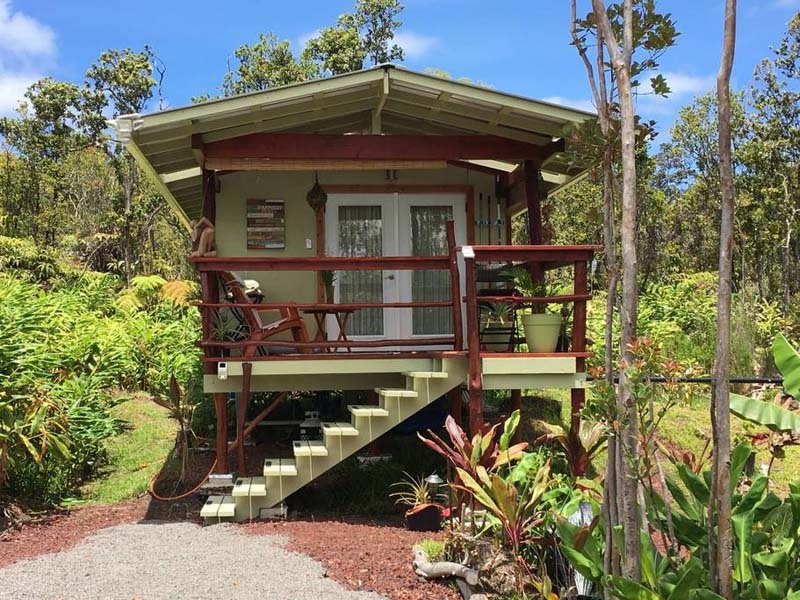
393 99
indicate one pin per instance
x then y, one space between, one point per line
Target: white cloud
304 38
22 36
683 87
415 45
682 84
579 104
27 48
12 89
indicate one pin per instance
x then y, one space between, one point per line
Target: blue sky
519 46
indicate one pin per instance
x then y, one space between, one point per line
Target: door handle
390 277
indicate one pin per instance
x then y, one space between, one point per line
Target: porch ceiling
385 99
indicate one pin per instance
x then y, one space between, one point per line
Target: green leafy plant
415 492
490 449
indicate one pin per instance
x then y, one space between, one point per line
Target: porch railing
464 339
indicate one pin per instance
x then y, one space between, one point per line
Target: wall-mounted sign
266 224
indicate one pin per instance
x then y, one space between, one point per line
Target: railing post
455 287
474 382
579 338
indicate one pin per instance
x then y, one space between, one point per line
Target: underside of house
352 234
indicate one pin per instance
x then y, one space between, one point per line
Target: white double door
394 224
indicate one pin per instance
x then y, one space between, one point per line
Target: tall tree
720 505
378 20
266 64
337 49
613 87
124 80
621 52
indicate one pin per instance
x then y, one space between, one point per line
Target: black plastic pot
426 517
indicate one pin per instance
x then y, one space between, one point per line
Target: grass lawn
136 454
687 426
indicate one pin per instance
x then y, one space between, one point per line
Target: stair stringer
341 447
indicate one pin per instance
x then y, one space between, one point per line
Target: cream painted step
280 467
426 374
309 448
339 430
401 402
218 508
250 486
367 410
396 393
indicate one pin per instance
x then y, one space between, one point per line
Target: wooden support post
221 410
455 287
319 216
475 383
579 338
209 179
241 415
533 197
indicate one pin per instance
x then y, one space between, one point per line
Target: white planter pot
541 331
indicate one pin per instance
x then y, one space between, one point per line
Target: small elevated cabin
354 233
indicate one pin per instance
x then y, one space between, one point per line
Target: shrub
65 353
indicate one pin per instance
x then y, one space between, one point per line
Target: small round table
340 314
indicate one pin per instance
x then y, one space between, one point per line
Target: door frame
324 227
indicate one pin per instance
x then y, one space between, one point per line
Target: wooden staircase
283 476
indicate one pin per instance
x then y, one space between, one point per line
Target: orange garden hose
153 493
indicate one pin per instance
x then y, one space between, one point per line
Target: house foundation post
241 415
221 409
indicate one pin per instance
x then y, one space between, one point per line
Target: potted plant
541 323
496 326
424 500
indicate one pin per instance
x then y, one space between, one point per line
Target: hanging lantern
316 196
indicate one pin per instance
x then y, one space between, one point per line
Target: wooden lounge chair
259 331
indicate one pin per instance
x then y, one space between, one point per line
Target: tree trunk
126 228
628 483
720 505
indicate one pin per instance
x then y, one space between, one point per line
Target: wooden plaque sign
266 224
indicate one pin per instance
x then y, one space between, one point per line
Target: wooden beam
374 147
315 164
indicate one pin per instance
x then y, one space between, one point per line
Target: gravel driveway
150 561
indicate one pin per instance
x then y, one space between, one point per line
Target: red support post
455 286
579 337
241 415
474 383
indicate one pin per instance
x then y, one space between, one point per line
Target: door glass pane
361 234
429 238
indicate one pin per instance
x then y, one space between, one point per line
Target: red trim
376 147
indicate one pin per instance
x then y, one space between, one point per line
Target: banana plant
782 423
